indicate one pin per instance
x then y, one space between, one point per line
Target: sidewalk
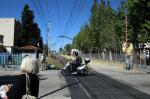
52 84
135 78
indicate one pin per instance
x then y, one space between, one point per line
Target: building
7 29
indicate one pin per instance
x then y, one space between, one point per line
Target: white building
7 28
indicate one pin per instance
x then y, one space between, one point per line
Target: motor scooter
80 70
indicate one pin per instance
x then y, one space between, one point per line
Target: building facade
7 29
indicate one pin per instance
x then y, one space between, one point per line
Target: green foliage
57 64
139 19
18 38
105 30
68 47
82 39
3 48
60 50
45 49
27 31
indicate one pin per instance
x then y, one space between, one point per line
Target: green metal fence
14 61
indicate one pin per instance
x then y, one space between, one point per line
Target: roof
28 47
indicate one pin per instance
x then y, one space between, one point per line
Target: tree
82 39
119 25
105 29
68 48
30 29
94 31
18 34
45 49
60 50
139 19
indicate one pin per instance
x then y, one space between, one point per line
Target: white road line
84 89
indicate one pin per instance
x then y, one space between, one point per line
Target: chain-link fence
139 61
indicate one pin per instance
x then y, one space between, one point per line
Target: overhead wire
58 19
46 3
76 13
38 12
58 16
41 11
79 11
69 18
47 22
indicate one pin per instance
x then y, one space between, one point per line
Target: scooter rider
76 61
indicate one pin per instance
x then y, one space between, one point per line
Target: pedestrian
29 66
127 48
10 59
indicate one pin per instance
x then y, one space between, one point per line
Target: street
97 85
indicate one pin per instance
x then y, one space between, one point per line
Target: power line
42 11
37 10
70 16
80 9
76 13
58 16
47 8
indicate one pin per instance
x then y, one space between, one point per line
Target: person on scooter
76 61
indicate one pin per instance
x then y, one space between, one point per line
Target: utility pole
48 36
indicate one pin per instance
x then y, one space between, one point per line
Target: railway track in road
99 86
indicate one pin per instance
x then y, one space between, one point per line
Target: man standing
127 48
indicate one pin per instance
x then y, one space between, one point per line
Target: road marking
84 89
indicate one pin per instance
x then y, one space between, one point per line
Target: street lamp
68 38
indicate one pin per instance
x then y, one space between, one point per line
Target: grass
57 64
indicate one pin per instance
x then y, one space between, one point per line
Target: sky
62 17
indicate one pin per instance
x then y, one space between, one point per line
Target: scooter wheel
87 73
64 73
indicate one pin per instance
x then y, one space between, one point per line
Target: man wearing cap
127 48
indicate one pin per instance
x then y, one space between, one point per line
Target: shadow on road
100 86
58 90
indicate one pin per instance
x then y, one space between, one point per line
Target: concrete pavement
135 78
52 84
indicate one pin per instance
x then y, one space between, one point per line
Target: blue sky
56 11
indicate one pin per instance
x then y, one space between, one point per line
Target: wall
7 30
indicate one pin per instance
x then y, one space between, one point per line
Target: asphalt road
98 86
94 86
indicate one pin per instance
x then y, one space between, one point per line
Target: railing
6 62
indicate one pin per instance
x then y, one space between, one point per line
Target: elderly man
127 48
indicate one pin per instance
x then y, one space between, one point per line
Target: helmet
75 53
